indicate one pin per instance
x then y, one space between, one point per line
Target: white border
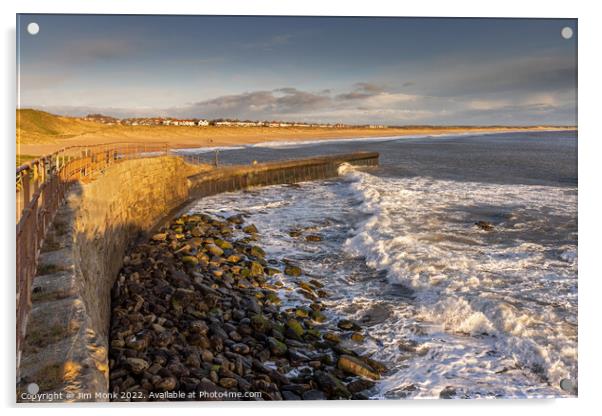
590 112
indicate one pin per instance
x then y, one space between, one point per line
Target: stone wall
66 344
233 178
130 199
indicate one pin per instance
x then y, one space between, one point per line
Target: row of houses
175 122
160 121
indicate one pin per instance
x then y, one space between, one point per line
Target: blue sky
353 70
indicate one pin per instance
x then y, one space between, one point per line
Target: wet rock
271 271
277 348
236 219
260 323
292 271
331 385
198 327
484 225
347 325
256 269
190 260
357 367
189 384
160 237
228 382
301 313
233 258
377 365
241 348
294 329
223 244
332 337
181 298
357 337
196 310
318 316
316 284
166 384
447 393
137 344
359 385
313 238
137 365
215 250
306 286
257 251
250 229
273 298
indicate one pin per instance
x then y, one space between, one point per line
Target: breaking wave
511 284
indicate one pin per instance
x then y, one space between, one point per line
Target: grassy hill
35 126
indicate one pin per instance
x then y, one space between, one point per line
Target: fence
41 185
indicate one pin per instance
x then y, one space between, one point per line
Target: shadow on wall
66 344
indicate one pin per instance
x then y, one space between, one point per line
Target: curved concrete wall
66 344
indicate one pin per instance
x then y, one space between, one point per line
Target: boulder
357 367
291 270
137 365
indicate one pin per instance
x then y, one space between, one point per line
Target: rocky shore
197 315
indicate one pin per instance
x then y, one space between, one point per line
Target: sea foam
421 233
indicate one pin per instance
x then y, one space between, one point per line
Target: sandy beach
190 137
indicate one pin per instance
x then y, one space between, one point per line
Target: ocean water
448 306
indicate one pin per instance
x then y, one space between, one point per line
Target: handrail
41 185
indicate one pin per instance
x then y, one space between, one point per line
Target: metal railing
41 185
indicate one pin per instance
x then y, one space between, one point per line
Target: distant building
202 123
100 118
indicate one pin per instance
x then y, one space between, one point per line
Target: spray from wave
513 286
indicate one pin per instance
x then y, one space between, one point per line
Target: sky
395 71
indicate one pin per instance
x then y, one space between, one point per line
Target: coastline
221 137
223 333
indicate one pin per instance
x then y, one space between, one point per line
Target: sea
453 309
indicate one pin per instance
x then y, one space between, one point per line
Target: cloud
461 77
360 91
256 104
377 102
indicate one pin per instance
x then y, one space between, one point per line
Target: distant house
202 123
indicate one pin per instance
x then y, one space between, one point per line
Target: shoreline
187 138
197 315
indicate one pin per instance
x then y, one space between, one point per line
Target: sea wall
66 345
291 171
